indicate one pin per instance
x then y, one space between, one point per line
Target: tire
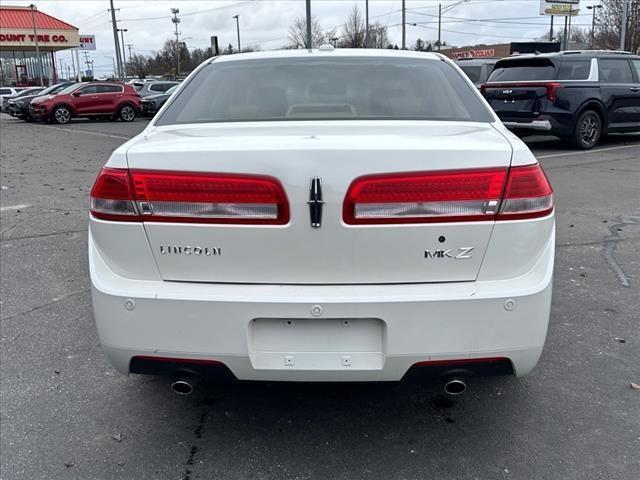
61 115
127 113
588 130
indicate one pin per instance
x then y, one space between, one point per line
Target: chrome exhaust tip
455 386
184 385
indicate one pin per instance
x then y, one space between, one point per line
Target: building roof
19 18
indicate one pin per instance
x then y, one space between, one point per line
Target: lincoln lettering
189 250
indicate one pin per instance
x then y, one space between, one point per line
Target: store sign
87 42
559 7
479 53
54 39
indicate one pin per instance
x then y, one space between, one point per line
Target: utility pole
404 26
86 59
569 30
366 23
439 24
237 17
309 38
623 26
116 42
130 46
124 57
35 36
564 35
551 30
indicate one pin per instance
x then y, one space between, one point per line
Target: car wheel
588 130
127 113
61 115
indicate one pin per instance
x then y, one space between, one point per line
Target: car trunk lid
331 154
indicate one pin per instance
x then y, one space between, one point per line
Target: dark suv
577 95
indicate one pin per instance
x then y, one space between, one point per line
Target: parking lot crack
610 244
47 304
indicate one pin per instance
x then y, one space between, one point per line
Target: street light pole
593 22
237 17
404 26
366 23
35 36
309 41
445 10
124 57
176 21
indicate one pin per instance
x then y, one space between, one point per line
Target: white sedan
324 215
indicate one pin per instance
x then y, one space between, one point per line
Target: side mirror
77 93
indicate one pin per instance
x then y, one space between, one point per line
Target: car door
84 99
620 92
109 97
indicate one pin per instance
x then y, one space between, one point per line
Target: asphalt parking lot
66 414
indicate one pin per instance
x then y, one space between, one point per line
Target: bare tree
138 66
353 30
609 21
378 36
298 33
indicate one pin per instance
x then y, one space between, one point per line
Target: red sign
481 53
22 37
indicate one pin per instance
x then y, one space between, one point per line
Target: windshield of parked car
54 89
472 71
298 88
523 69
71 88
28 91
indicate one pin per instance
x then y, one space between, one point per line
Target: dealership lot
67 414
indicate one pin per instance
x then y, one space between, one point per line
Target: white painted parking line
15 207
75 130
587 152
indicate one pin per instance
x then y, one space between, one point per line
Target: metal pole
124 57
309 41
623 26
130 46
404 26
35 36
439 23
564 36
237 17
551 30
115 40
176 21
79 78
366 23
569 30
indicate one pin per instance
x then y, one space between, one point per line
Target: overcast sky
265 22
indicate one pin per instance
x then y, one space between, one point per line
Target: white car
325 215
6 93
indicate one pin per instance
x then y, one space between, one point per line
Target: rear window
5 91
325 88
472 71
522 70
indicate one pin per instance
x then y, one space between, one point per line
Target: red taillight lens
528 194
446 196
552 90
111 196
166 196
449 196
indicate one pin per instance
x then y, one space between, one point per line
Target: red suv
110 100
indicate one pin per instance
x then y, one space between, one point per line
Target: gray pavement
66 414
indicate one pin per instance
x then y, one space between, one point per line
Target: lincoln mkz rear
323 215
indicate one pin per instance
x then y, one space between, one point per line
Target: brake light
449 196
528 194
189 197
424 197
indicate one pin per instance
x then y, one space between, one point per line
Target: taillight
167 196
528 194
444 196
552 90
449 196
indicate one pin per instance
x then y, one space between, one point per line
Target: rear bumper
400 325
540 125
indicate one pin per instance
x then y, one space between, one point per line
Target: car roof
573 53
325 52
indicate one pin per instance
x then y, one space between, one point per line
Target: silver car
145 89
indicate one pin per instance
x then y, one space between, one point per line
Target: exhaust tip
182 387
455 386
